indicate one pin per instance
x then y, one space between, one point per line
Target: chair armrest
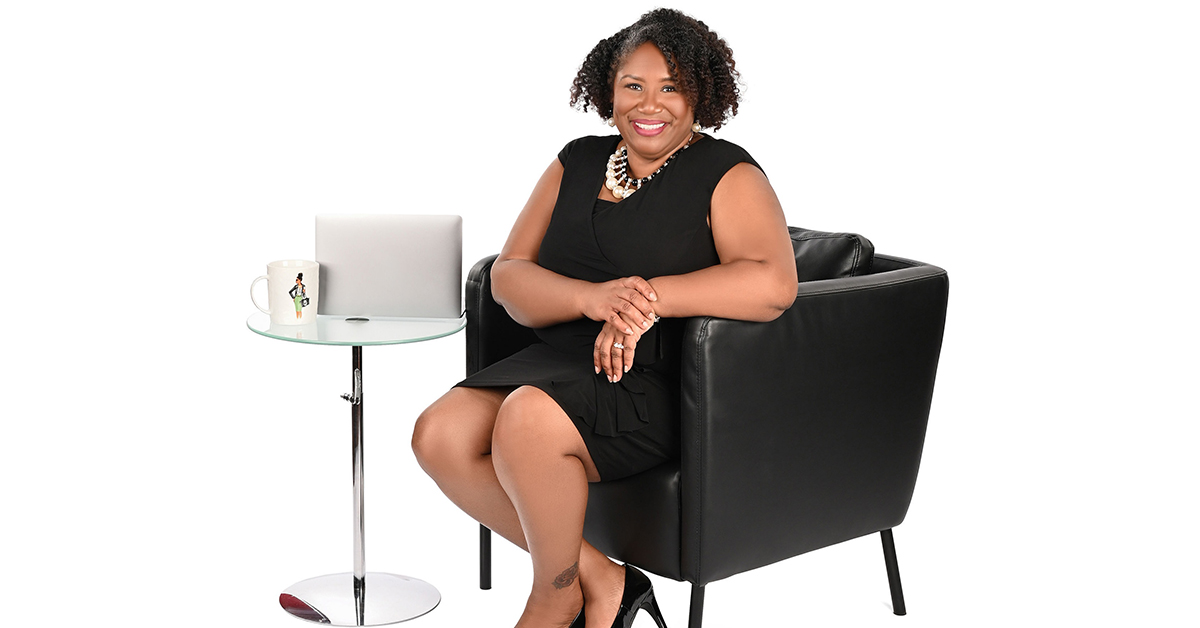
492 334
807 430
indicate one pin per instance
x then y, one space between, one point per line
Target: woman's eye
634 86
668 88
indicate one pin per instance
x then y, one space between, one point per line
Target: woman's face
652 115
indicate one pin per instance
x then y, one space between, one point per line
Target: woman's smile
649 127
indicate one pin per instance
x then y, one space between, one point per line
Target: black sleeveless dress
662 229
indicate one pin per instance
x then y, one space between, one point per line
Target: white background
162 465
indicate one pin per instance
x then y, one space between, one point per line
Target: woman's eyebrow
638 78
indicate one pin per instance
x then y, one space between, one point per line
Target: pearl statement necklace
617 174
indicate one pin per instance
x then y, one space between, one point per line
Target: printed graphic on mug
299 298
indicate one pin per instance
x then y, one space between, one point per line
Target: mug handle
253 300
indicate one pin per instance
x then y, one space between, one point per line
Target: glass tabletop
374 330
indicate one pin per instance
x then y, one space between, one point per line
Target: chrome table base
383 598
359 598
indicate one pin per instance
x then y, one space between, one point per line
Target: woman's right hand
607 356
624 303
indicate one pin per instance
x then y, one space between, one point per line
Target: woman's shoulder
725 148
590 145
722 155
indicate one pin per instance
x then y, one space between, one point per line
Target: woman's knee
529 423
528 418
429 439
455 428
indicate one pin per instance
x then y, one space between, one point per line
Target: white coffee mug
292 291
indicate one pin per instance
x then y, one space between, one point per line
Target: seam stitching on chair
475 350
888 284
478 349
484 280
697 494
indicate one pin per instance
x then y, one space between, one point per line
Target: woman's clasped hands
625 306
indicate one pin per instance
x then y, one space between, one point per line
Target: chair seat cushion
636 519
821 255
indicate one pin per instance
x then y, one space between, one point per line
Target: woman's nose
649 102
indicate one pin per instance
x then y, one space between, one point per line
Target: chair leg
696 611
893 571
485 557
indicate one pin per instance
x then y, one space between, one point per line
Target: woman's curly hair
700 62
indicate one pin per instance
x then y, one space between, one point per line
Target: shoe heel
651 606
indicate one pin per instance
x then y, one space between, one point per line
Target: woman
298 294
623 237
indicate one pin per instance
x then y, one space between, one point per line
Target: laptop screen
390 265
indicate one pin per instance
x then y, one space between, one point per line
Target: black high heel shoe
638 593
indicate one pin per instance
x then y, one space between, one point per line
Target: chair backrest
822 255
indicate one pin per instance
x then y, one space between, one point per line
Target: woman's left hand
607 356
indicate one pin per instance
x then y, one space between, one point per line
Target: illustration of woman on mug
297 294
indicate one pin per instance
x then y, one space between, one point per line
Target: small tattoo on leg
568 575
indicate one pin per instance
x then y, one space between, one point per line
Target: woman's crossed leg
515 462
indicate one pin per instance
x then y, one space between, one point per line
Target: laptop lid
393 265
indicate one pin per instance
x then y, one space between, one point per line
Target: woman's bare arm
756 279
537 297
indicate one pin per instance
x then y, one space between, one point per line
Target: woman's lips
648 127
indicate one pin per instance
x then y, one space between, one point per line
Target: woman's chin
654 147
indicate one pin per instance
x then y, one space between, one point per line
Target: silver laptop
390 265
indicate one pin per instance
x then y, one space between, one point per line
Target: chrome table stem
342 599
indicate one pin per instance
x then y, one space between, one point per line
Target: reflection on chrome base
342 600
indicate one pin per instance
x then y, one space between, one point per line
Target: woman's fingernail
628 330
597 370
626 368
610 379
653 297
645 323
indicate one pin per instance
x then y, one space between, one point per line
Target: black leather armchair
797 434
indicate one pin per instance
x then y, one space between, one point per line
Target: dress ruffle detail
620 408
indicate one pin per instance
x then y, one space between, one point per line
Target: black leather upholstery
807 431
491 334
797 434
821 255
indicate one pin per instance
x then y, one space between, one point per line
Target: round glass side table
358 598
